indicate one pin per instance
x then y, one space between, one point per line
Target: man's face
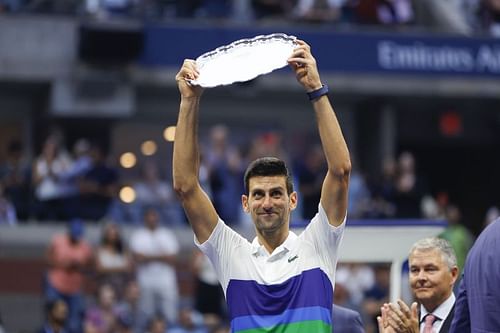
151 219
431 280
269 203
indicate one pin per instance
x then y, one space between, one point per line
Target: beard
270 222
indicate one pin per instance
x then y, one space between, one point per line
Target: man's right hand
187 72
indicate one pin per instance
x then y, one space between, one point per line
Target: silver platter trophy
244 59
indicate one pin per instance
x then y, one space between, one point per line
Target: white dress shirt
441 312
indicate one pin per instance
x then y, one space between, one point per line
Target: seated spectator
272 9
50 190
376 296
214 9
98 186
384 11
57 314
318 11
410 188
225 173
15 177
102 317
311 171
152 191
128 307
7 211
489 14
113 263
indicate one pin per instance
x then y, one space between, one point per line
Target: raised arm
336 183
186 161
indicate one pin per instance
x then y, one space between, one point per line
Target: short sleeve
326 239
219 248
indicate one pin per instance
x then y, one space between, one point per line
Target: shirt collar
441 311
286 246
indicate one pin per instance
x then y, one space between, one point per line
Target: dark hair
118 244
268 166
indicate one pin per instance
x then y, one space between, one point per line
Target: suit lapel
446 325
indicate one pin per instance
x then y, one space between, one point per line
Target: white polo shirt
289 289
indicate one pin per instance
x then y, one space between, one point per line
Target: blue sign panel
361 53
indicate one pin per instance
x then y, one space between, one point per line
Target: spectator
457 235
209 297
433 272
102 317
225 171
346 320
57 315
152 191
376 296
318 11
128 307
98 186
15 177
68 256
490 16
384 11
409 188
491 215
272 9
383 191
359 196
50 190
155 252
82 163
357 279
7 210
310 176
113 263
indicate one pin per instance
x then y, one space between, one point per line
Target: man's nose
422 275
267 202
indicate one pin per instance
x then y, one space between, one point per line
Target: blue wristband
318 93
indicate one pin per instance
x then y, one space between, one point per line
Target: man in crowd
433 272
155 252
280 281
69 256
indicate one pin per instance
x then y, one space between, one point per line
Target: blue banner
361 53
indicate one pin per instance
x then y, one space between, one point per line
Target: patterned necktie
429 320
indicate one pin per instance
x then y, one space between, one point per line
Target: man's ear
293 200
244 203
454 273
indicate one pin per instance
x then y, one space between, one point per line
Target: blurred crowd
460 16
128 284
84 181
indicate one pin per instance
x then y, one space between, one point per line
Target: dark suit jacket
345 320
477 308
445 328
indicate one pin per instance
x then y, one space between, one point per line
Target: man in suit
478 300
346 320
433 272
